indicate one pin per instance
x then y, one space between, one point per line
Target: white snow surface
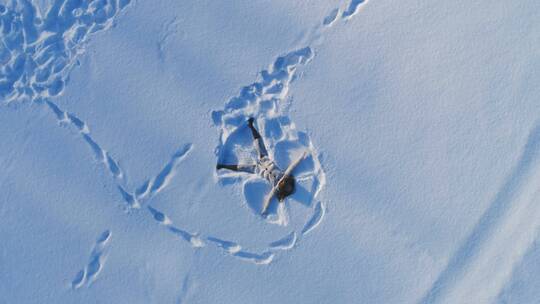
420 119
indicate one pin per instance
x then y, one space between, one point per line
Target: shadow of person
302 195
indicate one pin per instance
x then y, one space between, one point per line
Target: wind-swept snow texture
420 121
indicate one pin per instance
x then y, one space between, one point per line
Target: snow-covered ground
421 121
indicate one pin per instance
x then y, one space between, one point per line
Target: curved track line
484 262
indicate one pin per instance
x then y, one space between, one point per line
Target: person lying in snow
283 183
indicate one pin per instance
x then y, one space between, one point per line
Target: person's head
285 187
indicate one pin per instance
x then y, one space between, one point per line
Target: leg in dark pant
257 139
237 168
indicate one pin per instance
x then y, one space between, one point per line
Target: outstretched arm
267 199
294 164
275 189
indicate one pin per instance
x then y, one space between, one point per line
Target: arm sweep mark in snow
263 99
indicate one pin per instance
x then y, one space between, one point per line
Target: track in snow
95 264
485 260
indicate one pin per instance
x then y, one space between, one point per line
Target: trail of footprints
155 185
352 9
95 264
37 52
229 247
150 188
